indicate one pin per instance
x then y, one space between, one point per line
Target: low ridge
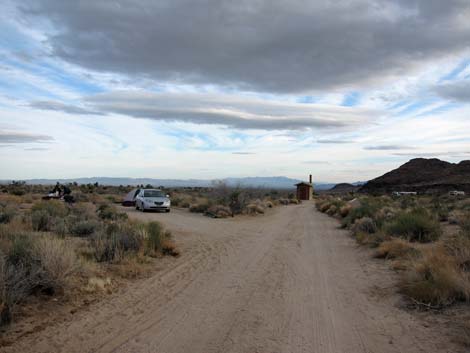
423 175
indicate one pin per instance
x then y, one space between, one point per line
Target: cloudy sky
345 90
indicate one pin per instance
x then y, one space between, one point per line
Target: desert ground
288 281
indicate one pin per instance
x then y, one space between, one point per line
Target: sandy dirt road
289 281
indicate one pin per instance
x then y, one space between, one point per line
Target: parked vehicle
152 199
457 193
404 193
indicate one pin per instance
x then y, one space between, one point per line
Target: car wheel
136 206
167 210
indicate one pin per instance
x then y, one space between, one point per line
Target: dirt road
289 281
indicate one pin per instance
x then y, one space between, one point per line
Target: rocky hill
343 188
423 175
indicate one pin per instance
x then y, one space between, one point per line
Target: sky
207 89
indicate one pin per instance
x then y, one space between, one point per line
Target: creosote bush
416 225
83 228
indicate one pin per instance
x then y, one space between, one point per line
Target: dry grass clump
331 211
396 248
57 261
7 213
199 207
372 240
254 208
364 225
344 210
32 263
218 211
435 279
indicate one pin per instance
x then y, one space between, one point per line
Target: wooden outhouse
305 190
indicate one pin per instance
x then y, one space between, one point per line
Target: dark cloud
458 91
238 112
263 45
388 148
62 107
19 137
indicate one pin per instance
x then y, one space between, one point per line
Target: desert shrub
464 222
396 248
253 209
416 225
79 196
56 261
454 217
324 206
219 211
169 248
109 212
344 210
176 201
435 279
53 208
33 263
237 201
294 201
459 248
269 204
60 227
364 225
83 210
407 202
199 208
156 238
366 209
6 213
104 247
372 240
115 242
14 287
41 220
83 228
128 236
284 202
332 210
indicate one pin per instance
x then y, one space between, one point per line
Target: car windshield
153 193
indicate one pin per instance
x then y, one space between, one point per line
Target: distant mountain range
423 175
277 182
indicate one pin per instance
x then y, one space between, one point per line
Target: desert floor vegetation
425 238
51 249
221 201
